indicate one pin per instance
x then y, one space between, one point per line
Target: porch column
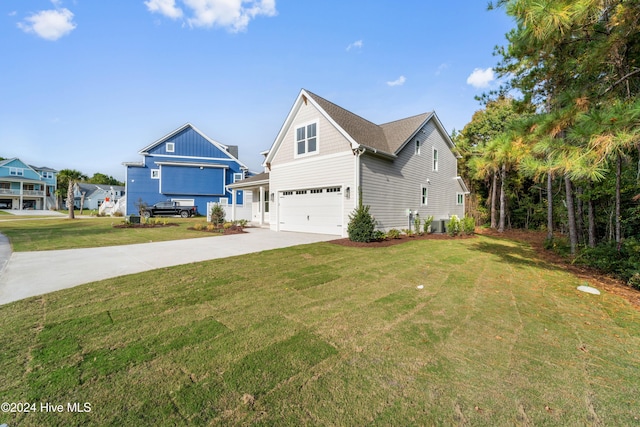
261 205
21 195
233 204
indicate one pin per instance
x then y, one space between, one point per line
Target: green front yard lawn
63 233
328 335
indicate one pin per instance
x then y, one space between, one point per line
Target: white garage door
317 210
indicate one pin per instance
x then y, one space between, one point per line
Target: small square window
171 147
238 177
155 173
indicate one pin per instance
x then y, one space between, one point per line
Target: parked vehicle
169 209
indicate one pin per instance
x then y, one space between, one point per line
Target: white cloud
355 45
231 14
49 24
13 13
167 8
441 68
398 82
481 78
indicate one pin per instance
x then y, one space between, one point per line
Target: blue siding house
185 166
23 186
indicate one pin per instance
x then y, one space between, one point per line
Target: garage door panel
311 212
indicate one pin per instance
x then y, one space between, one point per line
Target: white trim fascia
463 185
215 143
173 156
189 164
415 132
289 120
447 138
310 159
245 185
133 164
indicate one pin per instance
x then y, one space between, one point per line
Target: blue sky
86 84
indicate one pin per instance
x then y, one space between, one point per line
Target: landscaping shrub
468 225
453 226
361 225
427 224
394 233
217 214
379 235
634 281
621 260
416 225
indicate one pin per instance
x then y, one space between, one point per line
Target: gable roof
388 138
90 189
229 150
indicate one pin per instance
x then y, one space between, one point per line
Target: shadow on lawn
514 253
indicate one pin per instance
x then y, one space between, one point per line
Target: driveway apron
28 274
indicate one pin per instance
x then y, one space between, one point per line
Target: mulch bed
391 242
536 239
225 231
169 224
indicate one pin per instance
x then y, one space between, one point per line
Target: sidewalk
28 274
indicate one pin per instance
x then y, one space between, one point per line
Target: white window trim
424 201
238 176
295 139
16 171
459 198
171 147
155 172
435 159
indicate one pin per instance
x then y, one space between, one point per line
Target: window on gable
238 177
435 159
417 147
16 171
425 196
171 147
307 139
155 173
459 199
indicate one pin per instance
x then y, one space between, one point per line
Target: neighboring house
23 186
324 156
187 167
96 194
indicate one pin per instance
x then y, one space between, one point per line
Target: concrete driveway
28 274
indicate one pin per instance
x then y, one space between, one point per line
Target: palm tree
70 177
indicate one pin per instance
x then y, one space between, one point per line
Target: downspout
357 152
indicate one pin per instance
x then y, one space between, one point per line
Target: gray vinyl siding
391 187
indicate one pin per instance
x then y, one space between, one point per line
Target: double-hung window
435 159
16 171
425 196
307 139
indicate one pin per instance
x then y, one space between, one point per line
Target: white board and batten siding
309 192
391 187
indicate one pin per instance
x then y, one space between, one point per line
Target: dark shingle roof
387 138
